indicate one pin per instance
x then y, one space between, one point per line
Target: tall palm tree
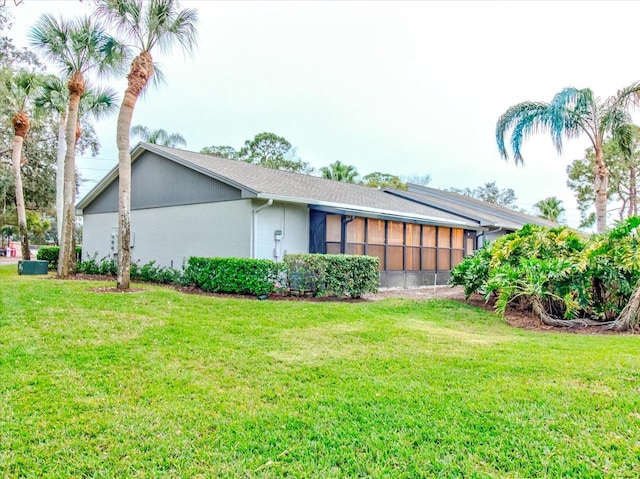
550 208
152 23
77 47
572 112
54 98
158 137
339 171
22 88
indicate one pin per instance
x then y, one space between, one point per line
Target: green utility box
33 267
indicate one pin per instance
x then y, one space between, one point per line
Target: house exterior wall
292 220
170 235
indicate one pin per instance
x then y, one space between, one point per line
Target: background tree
272 151
383 180
149 24
339 171
571 113
77 47
158 137
220 151
490 193
417 179
550 209
623 165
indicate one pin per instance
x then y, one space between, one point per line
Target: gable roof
485 213
258 182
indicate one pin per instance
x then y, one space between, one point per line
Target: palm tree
54 99
77 47
149 24
550 208
21 90
573 112
158 137
338 171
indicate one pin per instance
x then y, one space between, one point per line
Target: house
188 204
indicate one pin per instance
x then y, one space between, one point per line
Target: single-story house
189 204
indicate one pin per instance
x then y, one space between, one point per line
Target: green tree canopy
490 193
383 180
623 166
221 152
272 151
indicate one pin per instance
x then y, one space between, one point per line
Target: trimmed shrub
50 254
233 275
332 274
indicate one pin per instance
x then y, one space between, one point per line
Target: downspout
254 236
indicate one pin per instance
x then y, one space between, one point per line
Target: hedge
233 275
50 254
332 274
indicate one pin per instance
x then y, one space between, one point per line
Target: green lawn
161 384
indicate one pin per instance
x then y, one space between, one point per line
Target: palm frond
524 118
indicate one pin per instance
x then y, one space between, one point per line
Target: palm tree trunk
141 71
60 174
633 200
16 158
600 184
67 256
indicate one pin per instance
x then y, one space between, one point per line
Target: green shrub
51 253
233 275
332 275
104 267
151 273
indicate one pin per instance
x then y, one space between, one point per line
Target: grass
161 384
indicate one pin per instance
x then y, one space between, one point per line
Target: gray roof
259 182
485 213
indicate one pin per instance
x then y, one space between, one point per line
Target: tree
570 113
54 99
220 151
21 90
158 137
383 180
77 47
149 24
550 208
272 151
623 166
338 171
490 193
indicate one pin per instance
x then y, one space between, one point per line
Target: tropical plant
21 89
154 23
550 209
77 47
339 171
158 137
570 113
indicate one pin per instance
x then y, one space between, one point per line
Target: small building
189 204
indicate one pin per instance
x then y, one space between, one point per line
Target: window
429 236
375 231
334 228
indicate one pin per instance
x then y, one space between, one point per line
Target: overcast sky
399 87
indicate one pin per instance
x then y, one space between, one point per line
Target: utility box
33 267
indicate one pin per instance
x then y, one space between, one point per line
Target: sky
407 88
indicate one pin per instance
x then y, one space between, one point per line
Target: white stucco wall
170 235
292 220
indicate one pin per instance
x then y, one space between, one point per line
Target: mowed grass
157 383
